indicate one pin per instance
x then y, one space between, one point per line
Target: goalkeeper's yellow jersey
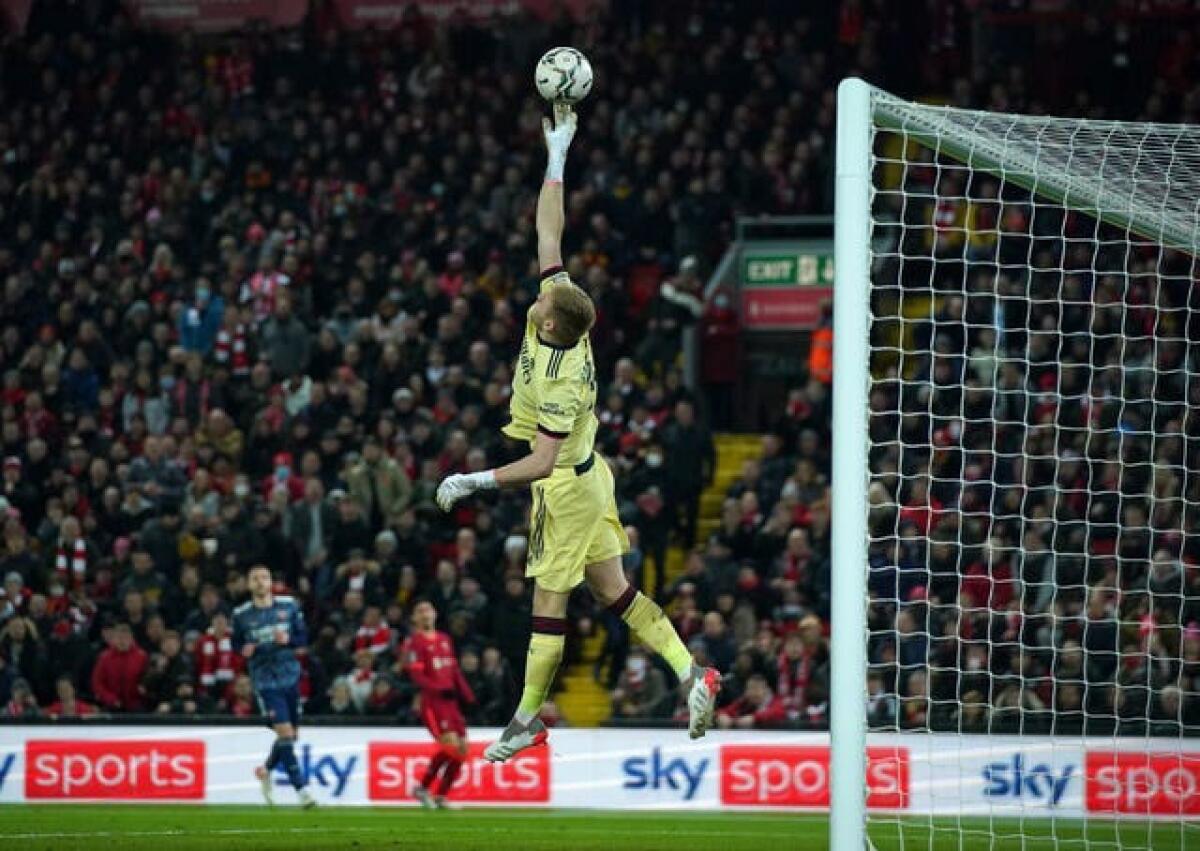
554 390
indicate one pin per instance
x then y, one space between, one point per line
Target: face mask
654 460
202 294
167 383
241 490
282 472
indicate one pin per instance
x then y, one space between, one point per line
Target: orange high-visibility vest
820 355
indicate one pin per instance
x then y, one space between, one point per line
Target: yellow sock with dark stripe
541 663
653 629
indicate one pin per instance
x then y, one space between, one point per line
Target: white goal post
1016 476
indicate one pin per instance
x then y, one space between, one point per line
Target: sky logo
326 771
1015 779
655 772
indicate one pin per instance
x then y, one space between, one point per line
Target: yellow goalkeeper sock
541 663
653 629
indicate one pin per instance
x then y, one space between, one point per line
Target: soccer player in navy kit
266 631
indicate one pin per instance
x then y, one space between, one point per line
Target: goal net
1016 540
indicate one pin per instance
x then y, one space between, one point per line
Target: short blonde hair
573 312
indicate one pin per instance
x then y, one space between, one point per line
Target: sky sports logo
1131 783
395 768
774 776
135 769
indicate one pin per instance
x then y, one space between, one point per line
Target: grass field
129 828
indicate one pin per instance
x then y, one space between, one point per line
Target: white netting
1034 519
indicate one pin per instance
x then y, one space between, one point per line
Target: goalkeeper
575 534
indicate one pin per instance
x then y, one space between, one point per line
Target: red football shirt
429 659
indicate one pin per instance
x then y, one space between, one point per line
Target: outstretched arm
557 412
538 464
558 134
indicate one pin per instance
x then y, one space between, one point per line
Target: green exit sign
805 269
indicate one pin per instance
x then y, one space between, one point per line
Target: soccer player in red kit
430 661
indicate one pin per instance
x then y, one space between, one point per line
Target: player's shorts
573 523
280 705
443 716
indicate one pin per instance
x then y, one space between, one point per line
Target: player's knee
606 592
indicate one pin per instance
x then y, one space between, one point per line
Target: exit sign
807 269
783 290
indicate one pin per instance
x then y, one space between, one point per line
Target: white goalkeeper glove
453 488
558 134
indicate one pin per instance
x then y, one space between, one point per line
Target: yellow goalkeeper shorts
573 523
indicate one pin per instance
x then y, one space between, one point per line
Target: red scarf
230 349
71 568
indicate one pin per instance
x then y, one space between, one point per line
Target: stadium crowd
262 292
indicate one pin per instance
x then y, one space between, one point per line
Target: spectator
116 679
383 700
217 663
186 701
23 652
22 705
691 462
239 699
374 635
641 690
67 703
350 530
144 582
380 486
341 699
166 669
498 687
309 525
758 708
200 321
881 703
361 680
715 640
286 343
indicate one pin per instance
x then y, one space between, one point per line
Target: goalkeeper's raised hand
558 135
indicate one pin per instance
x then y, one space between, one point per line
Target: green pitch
176 828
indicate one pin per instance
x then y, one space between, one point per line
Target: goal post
1015 534
848 544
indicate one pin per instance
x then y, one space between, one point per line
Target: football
563 74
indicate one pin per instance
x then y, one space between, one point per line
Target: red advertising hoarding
394 768
1131 783
769 776
119 770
